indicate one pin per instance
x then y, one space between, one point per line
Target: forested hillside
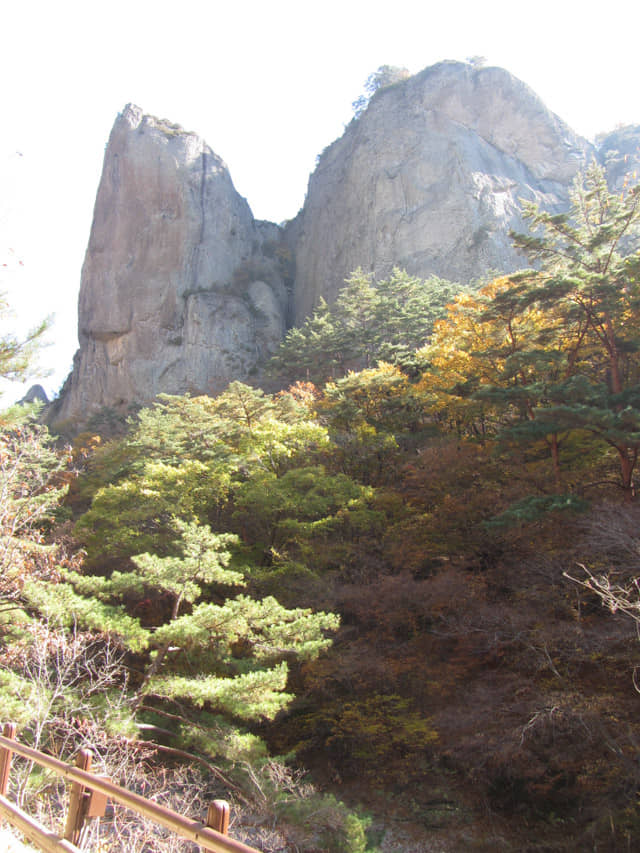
388 604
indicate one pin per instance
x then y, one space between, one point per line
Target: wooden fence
88 800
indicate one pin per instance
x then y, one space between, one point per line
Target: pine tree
551 357
18 356
185 457
369 322
32 485
590 288
228 654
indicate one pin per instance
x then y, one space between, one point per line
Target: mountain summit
183 290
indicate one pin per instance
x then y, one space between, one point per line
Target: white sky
267 84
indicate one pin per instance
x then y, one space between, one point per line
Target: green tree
185 457
225 654
491 364
232 463
31 480
300 512
369 322
551 356
32 485
311 352
382 78
371 416
18 356
47 674
589 283
590 266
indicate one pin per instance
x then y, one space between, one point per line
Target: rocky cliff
182 290
619 153
430 178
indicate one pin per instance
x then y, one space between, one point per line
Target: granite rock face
430 178
181 289
619 153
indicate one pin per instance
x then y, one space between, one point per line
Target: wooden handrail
31 829
209 839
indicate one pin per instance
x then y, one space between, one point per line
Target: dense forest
388 601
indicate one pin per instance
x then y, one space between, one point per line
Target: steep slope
430 178
177 293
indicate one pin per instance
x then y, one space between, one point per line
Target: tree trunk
627 464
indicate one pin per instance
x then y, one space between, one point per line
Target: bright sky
267 84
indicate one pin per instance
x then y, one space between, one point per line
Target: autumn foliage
370 571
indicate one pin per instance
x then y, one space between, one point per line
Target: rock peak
132 114
183 291
430 177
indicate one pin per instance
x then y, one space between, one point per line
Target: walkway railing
88 800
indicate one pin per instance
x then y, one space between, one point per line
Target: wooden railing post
9 731
89 797
78 800
218 819
218 816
